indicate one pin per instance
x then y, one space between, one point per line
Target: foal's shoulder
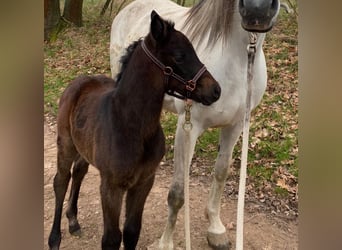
88 82
84 85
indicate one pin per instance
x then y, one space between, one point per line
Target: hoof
54 241
75 229
218 241
156 246
153 246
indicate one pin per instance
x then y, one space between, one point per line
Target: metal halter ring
168 71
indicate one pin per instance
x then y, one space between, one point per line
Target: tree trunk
105 6
73 11
181 2
52 16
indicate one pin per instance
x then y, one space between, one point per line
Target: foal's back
83 102
92 124
83 89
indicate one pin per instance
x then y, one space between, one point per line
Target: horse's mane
213 16
126 58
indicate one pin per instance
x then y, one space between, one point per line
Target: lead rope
251 49
187 126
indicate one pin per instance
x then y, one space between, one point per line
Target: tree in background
73 11
123 3
111 2
52 16
54 22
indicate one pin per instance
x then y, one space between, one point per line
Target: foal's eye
179 57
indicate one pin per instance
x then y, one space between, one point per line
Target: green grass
76 51
169 124
277 114
274 126
207 144
281 192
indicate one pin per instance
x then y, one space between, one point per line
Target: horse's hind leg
135 201
66 154
111 198
216 237
79 171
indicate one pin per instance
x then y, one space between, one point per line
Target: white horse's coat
228 64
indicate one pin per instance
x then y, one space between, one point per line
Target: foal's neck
140 93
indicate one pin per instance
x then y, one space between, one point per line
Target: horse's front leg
111 198
183 153
217 238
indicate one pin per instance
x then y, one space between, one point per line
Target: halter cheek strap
168 72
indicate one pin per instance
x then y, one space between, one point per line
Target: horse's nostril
241 4
275 4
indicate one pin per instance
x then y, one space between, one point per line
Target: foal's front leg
135 202
111 197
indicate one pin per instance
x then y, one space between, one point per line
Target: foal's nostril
217 92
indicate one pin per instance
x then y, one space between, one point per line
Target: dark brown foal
115 126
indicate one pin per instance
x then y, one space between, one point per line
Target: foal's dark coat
116 128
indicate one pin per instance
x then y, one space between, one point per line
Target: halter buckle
173 93
191 85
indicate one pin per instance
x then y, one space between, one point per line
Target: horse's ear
159 27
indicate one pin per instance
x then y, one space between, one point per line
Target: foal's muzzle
190 85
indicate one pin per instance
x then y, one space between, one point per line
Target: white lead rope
251 48
187 126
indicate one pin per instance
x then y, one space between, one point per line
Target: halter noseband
190 85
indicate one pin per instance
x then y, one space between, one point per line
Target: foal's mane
126 58
213 16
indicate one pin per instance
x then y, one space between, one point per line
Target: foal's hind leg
65 156
79 171
217 238
135 201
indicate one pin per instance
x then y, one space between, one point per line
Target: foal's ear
159 28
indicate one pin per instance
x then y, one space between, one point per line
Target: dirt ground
261 230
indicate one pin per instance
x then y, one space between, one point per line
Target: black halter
190 85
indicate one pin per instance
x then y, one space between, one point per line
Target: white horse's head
258 15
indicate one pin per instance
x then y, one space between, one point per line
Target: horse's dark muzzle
258 15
